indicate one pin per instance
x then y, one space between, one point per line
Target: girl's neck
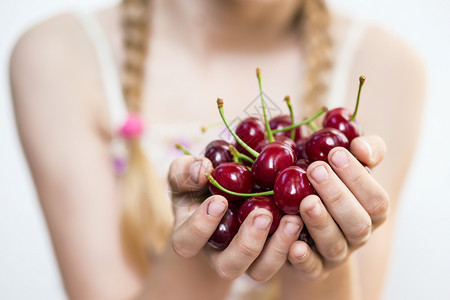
213 25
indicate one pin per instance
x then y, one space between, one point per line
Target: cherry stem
183 149
287 99
217 185
362 79
239 155
238 139
305 122
205 128
312 126
266 120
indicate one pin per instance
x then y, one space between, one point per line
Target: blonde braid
315 22
147 218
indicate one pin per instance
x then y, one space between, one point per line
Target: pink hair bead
132 127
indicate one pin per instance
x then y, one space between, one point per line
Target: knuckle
224 273
380 207
361 233
258 276
248 250
335 197
279 251
181 251
173 172
337 251
309 272
197 231
358 179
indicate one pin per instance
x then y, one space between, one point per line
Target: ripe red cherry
321 142
226 230
274 158
300 148
251 131
343 120
291 187
261 202
278 138
340 118
218 152
234 177
281 121
302 163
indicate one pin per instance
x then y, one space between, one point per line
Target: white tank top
165 135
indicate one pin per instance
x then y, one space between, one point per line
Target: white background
421 256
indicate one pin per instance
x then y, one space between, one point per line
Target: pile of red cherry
266 167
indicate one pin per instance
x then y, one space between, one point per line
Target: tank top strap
343 62
108 67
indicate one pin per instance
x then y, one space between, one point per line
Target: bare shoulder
48 44
54 72
394 69
392 99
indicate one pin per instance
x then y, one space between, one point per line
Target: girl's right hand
195 222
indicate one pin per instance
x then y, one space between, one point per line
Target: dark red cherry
281 121
226 230
261 202
251 130
339 118
234 177
291 187
321 142
302 163
218 152
274 158
278 138
300 148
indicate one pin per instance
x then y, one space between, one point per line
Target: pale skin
65 131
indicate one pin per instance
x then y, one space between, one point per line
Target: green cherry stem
235 153
183 149
362 79
312 126
238 139
217 185
266 120
305 122
287 99
205 128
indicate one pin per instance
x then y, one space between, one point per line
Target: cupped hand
250 251
350 204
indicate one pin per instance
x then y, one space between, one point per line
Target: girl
80 80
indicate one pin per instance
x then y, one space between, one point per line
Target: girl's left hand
349 206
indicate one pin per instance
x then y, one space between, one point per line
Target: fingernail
194 171
291 229
368 148
319 174
262 222
215 209
339 159
314 211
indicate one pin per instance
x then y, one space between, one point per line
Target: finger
275 252
362 185
192 235
342 205
368 149
328 238
306 262
245 246
186 173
